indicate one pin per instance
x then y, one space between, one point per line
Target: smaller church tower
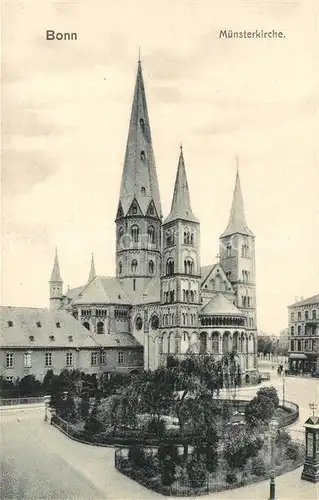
92 269
180 279
237 252
56 285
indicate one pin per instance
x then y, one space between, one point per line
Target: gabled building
161 295
34 340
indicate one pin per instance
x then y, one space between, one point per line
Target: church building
161 295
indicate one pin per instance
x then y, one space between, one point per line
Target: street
39 462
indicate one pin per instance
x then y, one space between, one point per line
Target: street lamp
273 426
283 387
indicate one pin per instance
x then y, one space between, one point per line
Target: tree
259 411
92 424
270 393
68 409
85 405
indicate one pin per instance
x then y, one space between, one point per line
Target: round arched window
139 323
155 322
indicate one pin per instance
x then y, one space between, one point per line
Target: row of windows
134 267
188 237
302 330
245 251
189 296
135 234
246 301
188 266
120 314
246 276
96 357
306 345
38 324
217 321
306 315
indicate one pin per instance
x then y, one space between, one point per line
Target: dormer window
151 210
10 323
52 338
143 191
31 337
142 124
39 324
143 155
58 324
70 338
134 209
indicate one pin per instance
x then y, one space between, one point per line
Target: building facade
33 341
161 294
303 321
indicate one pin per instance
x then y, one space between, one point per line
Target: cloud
23 169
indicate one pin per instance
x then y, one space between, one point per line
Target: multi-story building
304 335
160 293
34 341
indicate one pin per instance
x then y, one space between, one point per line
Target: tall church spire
237 219
55 275
139 178
92 269
181 205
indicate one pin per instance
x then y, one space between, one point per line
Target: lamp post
283 387
273 426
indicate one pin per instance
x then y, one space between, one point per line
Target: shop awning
297 355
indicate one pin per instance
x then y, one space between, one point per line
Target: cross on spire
313 408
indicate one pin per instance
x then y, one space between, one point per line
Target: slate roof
102 290
237 219
311 300
139 171
205 271
219 305
181 205
151 293
24 324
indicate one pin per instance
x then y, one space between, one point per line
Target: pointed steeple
237 219
181 205
55 275
139 178
92 269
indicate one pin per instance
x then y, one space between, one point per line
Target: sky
65 116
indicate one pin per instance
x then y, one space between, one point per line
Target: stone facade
303 330
160 293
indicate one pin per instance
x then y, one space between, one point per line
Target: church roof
41 324
181 205
151 293
139 178
311 300
205 271
219 305
237 219
55 275
102 290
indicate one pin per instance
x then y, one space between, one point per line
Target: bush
282 439
197 473
211 459
92 424
156 427
259 410
239 447
270 393
292 451
136 456
29 386
85 406
231 477
258 466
